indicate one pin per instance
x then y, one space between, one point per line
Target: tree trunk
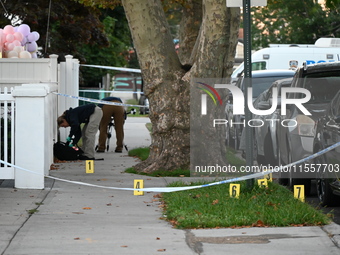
189 30
167 81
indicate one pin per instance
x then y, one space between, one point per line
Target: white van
291 56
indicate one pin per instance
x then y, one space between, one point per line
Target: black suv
327 134
295 138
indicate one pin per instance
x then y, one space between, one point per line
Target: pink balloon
24 29
9 29
10 46
3 37
18 36
16 43
10 38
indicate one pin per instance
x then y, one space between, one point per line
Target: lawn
213 207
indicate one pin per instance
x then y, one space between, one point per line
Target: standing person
118 114
90 114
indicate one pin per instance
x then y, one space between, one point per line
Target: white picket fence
29 109
7 116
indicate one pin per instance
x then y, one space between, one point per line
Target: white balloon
12 54
18 49
25 54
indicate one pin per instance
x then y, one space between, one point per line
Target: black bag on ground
64 152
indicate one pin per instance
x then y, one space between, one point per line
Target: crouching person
90 114
118 114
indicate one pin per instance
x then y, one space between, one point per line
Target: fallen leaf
76 238
157 238
124 246
109 204
259 223
161 250
87 208
215 202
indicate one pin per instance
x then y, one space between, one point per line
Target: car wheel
324 192
323 188
142 110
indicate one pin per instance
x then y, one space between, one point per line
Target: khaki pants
118 116
89 132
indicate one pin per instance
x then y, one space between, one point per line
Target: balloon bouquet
18 42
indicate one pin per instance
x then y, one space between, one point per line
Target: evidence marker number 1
89 165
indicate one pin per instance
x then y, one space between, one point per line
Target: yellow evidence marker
299 192
234 190
89 164
262 182
269 176
138 184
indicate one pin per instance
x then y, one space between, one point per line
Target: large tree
208 37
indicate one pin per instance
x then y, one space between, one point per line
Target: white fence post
69 85
35 133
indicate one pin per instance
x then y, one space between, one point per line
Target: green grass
141 153
212 207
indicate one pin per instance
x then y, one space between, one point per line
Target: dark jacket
77 116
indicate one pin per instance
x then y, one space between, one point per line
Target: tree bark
168 82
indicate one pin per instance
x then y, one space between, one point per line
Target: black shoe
100 151
118 151
82 157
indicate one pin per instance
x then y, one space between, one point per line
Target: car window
261 84
322 89
259 66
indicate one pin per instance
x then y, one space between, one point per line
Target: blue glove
68 139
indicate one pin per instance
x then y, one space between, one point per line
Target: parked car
261 80
264 138
327 134
143 100
295 138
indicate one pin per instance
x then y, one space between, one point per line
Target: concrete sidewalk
68 218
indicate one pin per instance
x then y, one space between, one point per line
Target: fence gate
7 112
